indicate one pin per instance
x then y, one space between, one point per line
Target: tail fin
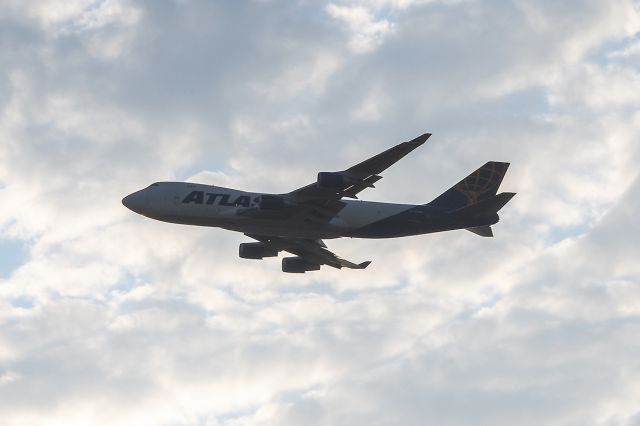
479 186
483 231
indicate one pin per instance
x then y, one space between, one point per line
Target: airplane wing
321 200
361 176
314 251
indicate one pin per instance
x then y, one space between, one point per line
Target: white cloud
372 107
367 32
631 50
63 16
8 377
307 78
597 87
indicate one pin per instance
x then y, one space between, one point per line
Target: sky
109 318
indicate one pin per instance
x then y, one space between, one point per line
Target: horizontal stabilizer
491 205
483 231
502 199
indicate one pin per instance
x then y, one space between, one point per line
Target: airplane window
155 184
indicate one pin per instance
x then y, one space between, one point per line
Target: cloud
366 31
111 318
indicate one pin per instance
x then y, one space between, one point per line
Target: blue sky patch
13 253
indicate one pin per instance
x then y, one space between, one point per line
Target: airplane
297 222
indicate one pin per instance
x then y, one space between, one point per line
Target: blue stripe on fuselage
422 219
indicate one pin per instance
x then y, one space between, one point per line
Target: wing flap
352 191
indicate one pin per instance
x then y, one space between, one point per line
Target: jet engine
256 251
298 265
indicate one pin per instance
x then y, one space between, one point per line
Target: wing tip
363 265
420 139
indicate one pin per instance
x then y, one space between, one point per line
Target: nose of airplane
136 201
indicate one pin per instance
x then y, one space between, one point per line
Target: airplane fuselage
215 206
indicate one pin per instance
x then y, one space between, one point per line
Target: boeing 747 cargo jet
298 221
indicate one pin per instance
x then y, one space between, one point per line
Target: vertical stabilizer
479 186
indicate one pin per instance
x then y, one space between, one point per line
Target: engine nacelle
298 265
332 180
271 202
256 251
